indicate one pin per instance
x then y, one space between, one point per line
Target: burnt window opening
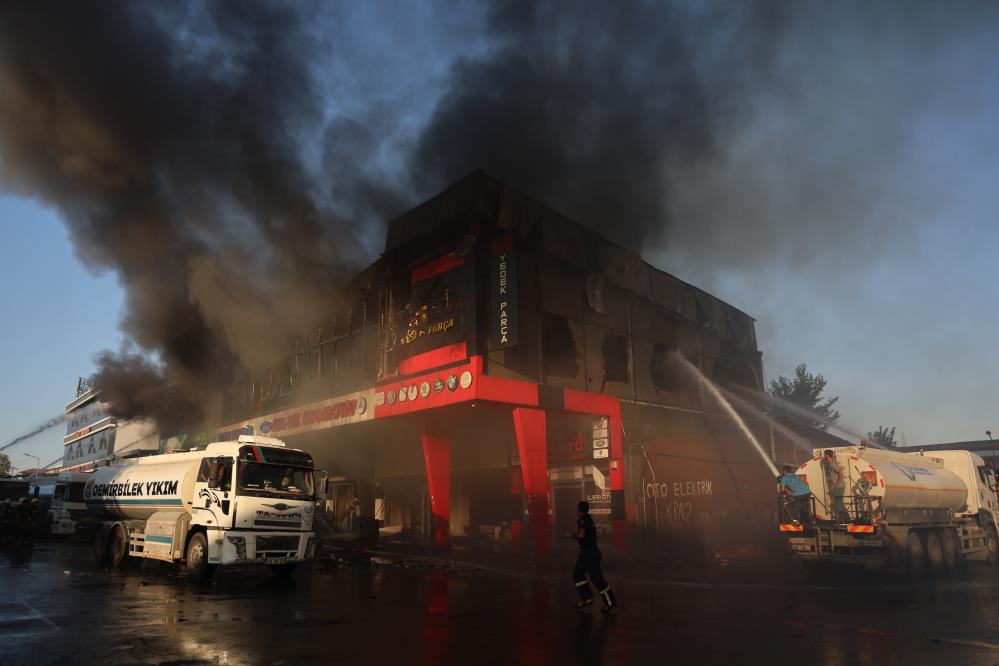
728 372
559 352
665 371
615 353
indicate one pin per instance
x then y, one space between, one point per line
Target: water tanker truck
918 512
245 502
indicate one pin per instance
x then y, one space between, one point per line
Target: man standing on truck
588 563
835 485
798 495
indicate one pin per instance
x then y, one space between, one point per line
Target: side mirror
324 484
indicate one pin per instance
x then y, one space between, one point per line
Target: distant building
93 436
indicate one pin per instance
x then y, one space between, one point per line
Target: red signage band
434 358
434 389
436 266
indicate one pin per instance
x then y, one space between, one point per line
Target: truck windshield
278 479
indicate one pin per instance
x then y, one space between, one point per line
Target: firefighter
588 563
835 485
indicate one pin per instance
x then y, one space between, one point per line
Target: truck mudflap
236 547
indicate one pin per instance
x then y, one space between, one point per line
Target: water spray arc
34 432
799 441
727 406
807 416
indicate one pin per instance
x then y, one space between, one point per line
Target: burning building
501 362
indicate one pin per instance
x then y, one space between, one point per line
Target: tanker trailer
245 502
882 508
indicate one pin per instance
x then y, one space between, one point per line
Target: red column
532 443
437 458
619 523
516 505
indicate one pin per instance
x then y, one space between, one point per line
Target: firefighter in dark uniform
588 563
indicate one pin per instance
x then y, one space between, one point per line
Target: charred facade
499 363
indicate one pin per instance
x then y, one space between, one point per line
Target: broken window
615 353
559 351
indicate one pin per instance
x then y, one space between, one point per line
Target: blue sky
58 316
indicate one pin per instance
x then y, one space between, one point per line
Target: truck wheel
951 550
915 557
117 547
197 557
283 570
934 553
991 546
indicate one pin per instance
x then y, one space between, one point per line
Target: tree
883 437
4 463
801 397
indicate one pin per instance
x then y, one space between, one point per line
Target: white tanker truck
245 502
920 512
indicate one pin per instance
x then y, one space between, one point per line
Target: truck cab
67 509
258 489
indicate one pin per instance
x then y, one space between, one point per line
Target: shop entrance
342 506
570 485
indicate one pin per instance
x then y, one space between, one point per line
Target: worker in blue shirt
798 494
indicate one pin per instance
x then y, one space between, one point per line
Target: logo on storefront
466 379
452 382
362 405
411 392
402 394
266 427
391 396
438 385
424 389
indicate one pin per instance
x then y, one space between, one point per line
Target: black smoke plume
589 106
171 137
198 151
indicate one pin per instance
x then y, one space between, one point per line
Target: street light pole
37 464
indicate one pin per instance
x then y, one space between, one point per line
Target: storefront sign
601 441
503 293
342 410
440 311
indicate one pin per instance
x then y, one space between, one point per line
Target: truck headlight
240 544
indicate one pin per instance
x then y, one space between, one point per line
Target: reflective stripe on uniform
581 583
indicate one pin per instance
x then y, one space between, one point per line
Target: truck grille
278 523
277 543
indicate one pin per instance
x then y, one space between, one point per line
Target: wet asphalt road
57 608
